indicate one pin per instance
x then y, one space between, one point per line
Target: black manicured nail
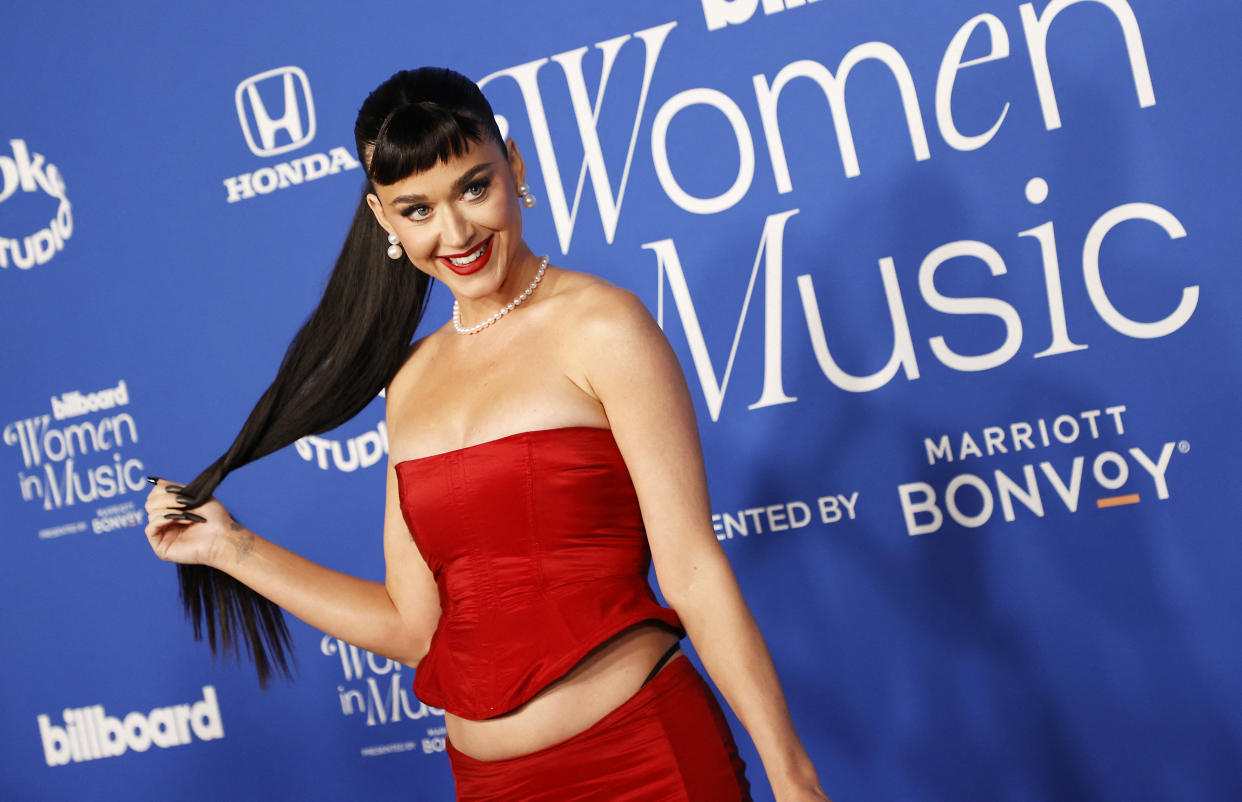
185 516
174 488
184 499
153 480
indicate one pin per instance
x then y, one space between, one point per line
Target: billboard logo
74 403
720 13
256 117
89 733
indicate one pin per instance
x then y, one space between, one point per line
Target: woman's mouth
472 261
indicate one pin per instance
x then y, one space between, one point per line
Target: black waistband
664 658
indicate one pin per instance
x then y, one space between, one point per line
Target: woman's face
460 221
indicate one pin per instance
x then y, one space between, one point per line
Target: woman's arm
632 370
393 618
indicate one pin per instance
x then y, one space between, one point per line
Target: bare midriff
601 682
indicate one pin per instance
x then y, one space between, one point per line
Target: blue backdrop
950 282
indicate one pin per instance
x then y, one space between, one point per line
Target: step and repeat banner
953 284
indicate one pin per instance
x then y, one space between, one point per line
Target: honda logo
300 130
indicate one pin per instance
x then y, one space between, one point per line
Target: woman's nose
457 231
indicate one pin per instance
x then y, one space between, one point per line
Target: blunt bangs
417 136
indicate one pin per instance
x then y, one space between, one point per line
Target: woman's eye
476 190
417 212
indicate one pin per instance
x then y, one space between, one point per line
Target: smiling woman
537 470
451 217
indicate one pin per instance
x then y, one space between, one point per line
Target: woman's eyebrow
469 176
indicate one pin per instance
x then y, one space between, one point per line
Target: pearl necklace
543 266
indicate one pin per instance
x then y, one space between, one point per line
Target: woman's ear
377 209
516 165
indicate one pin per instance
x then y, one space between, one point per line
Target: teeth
465 260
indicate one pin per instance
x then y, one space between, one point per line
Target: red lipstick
478 264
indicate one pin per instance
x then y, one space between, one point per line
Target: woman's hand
180 535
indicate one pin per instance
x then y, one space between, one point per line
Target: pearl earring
394 247
528 200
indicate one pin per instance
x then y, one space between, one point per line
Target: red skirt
668 743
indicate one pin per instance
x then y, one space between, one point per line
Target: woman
533 439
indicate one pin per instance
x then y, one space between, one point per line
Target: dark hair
352 344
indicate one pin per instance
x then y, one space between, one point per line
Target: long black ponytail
349 348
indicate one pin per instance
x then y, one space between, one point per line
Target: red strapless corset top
538 549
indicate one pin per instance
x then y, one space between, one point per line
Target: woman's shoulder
596 319
595 305
612 346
